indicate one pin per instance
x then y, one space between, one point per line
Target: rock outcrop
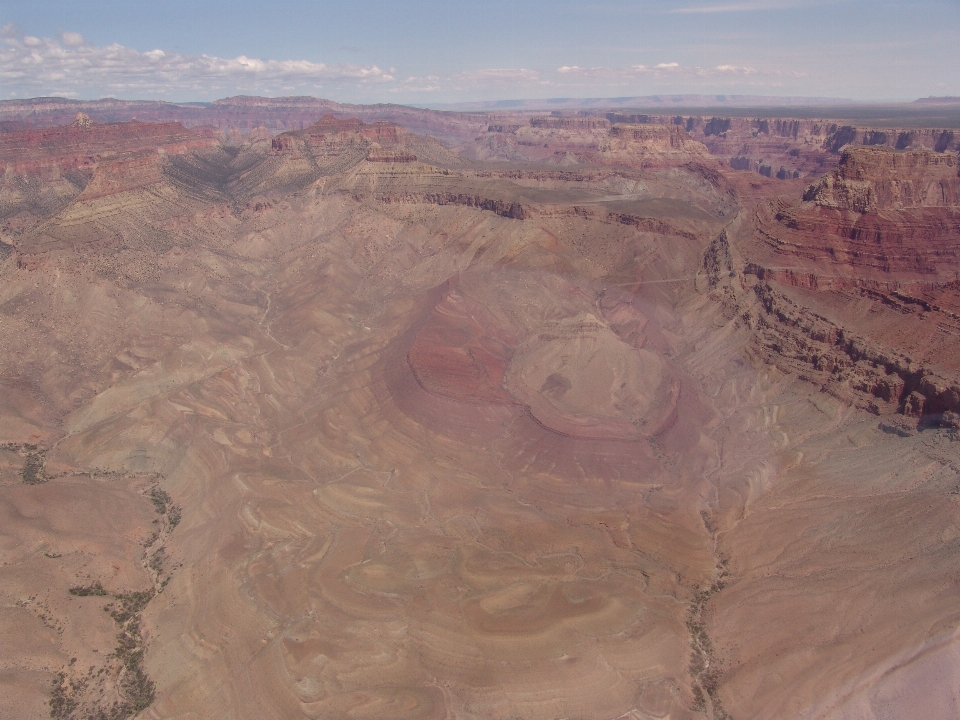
584 140
881 219
855 287
870 179
46 168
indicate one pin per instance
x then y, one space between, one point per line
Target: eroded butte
564 417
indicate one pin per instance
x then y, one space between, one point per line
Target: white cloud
72 39
41 66
72 66
736 70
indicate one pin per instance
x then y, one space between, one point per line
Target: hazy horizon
429 53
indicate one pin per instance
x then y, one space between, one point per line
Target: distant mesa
942 100
46 168
569 140
570 123
870 179
332 146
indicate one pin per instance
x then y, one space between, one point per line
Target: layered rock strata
855 287
46 169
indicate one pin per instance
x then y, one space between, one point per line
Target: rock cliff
592 141
869 179
855 286
46 168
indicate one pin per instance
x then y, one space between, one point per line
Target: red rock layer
821 247
332 145
462 352
76 144
854 287
872 179
881 216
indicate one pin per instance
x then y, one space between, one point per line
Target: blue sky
433 52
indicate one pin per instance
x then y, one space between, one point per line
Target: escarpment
870 179
44 169
586 140
882 219
855 286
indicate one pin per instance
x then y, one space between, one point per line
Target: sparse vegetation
87 590
121 688
703 664
32 472
73 698
161 498
63 702
699 701
155 556
157 560
163 504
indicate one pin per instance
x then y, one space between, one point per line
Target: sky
440 51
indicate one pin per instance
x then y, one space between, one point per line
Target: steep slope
46 169
856 286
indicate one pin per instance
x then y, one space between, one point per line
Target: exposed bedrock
577 140
45 169
504 208
855 288
869 179
843 363
789 147
848 365
570 370
823 248
81 140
